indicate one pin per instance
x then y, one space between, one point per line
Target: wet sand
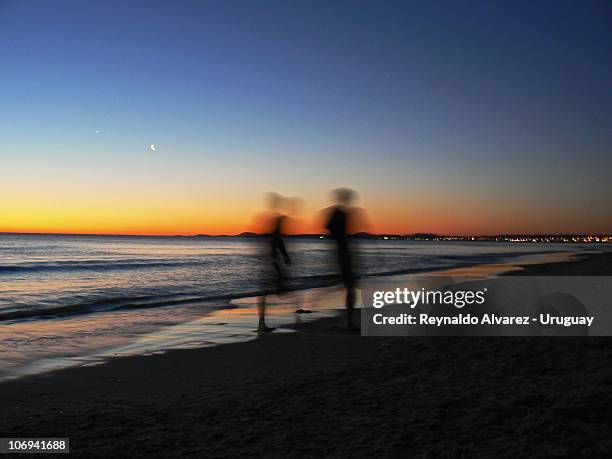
322 392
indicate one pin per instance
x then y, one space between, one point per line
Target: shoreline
299 284
205 323
583 264
306 393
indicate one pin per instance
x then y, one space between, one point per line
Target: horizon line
245 233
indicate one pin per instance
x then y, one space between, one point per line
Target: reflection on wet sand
178 329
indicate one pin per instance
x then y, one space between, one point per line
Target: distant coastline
515 238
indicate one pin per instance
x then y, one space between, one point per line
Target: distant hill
249 234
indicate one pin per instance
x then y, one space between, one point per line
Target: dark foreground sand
322 392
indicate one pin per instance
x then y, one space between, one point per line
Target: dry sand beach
322 392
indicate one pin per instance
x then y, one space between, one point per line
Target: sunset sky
449 117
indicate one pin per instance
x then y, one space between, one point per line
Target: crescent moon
153 147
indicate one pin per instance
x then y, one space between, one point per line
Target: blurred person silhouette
277 257
342 221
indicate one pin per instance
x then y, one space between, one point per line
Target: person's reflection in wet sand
277 258
342 221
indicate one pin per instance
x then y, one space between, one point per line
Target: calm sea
48 274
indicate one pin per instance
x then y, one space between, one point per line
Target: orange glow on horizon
169 216
217 228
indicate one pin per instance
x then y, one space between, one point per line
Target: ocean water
79 300
42 275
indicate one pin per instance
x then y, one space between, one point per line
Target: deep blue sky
454 116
